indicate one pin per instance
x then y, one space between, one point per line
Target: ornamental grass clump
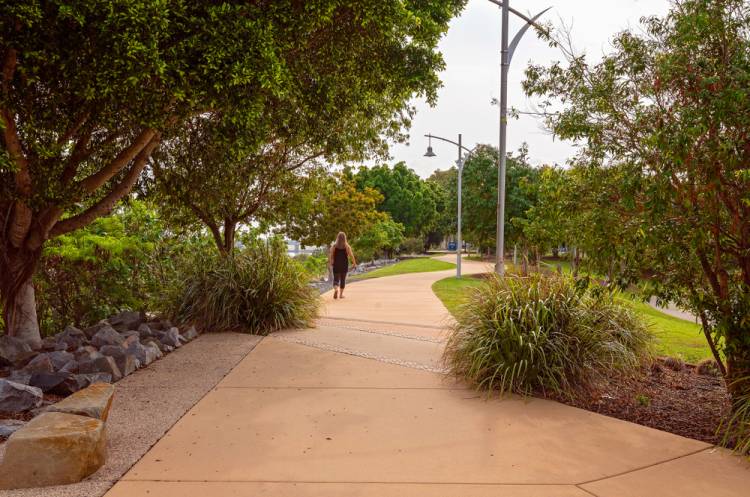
543 333
257 290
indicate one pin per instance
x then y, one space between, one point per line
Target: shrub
258 290
736 429
315 264
412 246
542 332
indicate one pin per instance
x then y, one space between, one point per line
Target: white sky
471 50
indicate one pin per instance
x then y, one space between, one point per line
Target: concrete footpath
359 407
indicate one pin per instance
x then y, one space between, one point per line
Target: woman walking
338 258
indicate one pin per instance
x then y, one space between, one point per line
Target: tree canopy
664 118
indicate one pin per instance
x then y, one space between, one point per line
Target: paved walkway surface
359 407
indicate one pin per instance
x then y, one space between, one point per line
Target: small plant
643 400
542 332
736 430
708 367
258 290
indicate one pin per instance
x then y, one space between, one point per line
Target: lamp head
430 153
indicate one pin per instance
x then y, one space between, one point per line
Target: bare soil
679 401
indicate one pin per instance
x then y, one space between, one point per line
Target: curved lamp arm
448 141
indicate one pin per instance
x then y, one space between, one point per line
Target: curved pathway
359 407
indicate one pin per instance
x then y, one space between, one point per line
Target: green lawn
674 336
419 265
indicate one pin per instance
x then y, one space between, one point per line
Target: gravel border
149 402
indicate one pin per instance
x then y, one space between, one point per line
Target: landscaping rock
144 331
93 330
9 426
125 362
40 364
190 333
86 352
155 349
88 379
161 324
126 320
53 449
93 401
19 377
13 350
58 383
70 367
60 358
106 336
16 397
144 355
103 364
50 344
171 338
72 338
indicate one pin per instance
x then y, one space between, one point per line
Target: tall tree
89 89
406 197
669 109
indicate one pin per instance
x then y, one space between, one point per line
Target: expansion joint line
389 333
357 353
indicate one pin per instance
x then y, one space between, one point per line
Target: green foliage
540 332
480 196
257 290
128 260
334 204
663 121
407 198
383 236
412 246
316 265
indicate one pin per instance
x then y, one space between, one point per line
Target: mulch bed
682 402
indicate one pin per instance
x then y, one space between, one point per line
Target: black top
340 261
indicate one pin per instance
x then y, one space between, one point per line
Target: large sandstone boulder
53 449
16 397
94 402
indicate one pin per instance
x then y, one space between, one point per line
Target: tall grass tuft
735 431
542 332
257 290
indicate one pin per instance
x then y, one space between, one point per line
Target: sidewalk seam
427 326
386 333
616 475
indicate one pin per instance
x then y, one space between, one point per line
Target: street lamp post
507 50
460 163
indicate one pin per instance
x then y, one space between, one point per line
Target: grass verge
419 265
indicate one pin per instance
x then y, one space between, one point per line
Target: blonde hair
341 242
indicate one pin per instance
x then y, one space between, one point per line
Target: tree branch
105 205
141 142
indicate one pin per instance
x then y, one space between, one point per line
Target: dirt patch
681 402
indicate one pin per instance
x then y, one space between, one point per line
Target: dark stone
106 336
93 330
59 383
144 331
126 362
103 364
126 320
60 358
72 338
86 352
70 367
9 426
40 364
190 333
50 344
171 338
13 350
21 377
15 397
91 378
160 324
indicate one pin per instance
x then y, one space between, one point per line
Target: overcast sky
472 76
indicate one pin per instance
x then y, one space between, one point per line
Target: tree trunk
18 297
